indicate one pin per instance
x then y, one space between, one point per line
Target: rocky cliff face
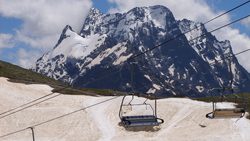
187 65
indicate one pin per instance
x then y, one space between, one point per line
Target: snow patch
122 59
117 49
147 76
171 70
199 88
151 91
77 47
193 67
157 86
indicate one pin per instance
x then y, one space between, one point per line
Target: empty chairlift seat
231 112
138 120
226 112
143 120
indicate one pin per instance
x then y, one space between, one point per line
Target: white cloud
246 22
6 40
199 11
27 58
239 42
196 10
44 20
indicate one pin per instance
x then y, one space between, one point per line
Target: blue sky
33 29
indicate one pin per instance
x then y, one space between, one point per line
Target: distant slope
21 75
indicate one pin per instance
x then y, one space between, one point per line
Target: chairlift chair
226 112
148 120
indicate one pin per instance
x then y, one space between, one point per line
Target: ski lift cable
238 112
234 8
236 54
10 110
104 76
26 103
59 117
179 35
30 106
132 57
159 45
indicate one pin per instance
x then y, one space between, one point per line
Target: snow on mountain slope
70 47
183 118
74 46
215 53
182 66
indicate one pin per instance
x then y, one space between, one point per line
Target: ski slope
183 119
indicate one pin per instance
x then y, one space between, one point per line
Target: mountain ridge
180 67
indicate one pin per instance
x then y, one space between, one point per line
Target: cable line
59 117
171 39
204 23
236 7
135 57
159 45
132 57
30 106
35 103
236 54
32 101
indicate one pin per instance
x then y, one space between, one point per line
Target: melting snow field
183 119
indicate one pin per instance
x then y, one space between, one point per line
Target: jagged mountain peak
67 27
158 8
94 12
125 25
193 30
156 14
188 26
64 34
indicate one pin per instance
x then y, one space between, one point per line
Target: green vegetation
106 92
20 75
242 100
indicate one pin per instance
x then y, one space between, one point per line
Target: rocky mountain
98 57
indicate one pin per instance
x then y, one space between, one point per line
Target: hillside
20 75
184 118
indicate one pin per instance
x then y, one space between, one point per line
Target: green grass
20 75
106 92
242 100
